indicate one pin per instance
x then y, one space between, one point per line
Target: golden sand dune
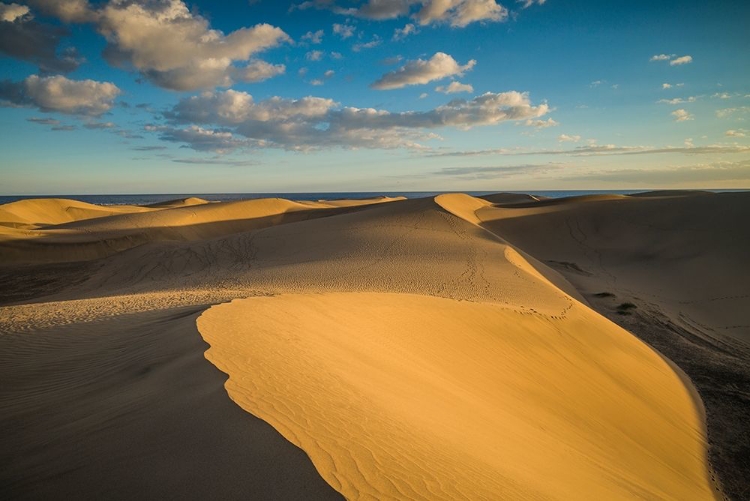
32 213
408 349
95 233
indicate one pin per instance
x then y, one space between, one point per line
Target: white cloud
693 175
313 37
418 72
541 124
317 82
314 55
722 95
529 3
57 93
376 40
682 115
666 86
401 33
564 138
313 122
169 45
736 133
344 30
423 95
329 74
678 100
681 60
459 13
454 88
728 112
662 57
456 13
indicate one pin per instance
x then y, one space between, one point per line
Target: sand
406 348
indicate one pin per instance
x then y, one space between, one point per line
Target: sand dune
416 348
33 213
410 397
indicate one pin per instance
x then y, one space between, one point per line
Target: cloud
454 88
69 11
418 72
605 150
200 139
23 38
57 93
728 112
666 86
541 124
314 55
313 37
700 174
11 12
43 121
170 46
677 100
736 133
662 57
498 172
401 33
99 125
529 3
376 40
564 138
215 161
344 30
314 122
722 95
681 60
456 13
682 115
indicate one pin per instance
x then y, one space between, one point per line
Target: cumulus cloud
682 115
57 93
169 45
418 72
454 88
314 55
662 57
314 122
456 13
541 124
376 40
313 37
24 38
344 30
666 86
681 60
401 33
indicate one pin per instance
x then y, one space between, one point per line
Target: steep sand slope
671 267
411 397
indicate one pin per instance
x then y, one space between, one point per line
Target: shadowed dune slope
33 213
688 253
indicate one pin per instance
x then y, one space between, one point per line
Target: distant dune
444 348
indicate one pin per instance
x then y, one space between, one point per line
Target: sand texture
438 348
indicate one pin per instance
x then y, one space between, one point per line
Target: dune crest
397 396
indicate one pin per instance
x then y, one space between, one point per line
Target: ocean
145 199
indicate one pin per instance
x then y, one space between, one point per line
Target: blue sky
165 96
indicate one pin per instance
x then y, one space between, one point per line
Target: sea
146 199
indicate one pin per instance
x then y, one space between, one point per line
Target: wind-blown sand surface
411 348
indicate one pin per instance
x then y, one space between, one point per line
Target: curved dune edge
399 396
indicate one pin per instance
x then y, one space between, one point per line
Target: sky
241 96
